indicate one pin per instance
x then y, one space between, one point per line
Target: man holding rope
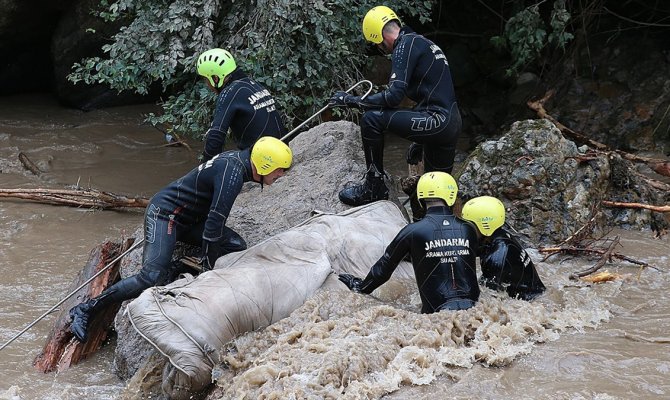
421 72
194 210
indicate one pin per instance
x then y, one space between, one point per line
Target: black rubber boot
408 186
83 313
371 190
418 210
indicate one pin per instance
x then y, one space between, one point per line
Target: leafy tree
526 34
302 50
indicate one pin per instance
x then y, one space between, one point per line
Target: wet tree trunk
62 349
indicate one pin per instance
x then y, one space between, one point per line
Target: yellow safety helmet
487 212
439 185
270 153
374 22
216 62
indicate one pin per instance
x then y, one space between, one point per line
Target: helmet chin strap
262 181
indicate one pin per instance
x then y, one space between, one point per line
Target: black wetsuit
193 209
442 249
421 72
248 109
506 266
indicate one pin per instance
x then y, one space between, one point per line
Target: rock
548 192
24 31
41 40
324 159
80 35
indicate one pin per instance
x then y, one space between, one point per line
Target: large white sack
355 238
190 320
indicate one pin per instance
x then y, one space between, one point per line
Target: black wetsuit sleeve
493 260
403 61
226 188
227 104
507 266
387 263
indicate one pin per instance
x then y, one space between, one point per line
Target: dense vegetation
302 50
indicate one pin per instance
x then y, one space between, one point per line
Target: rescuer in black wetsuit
442 247
193 209
243 105
506 266
420 71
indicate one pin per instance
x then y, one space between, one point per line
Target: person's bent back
506 266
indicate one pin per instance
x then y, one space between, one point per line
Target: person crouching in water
506 266
442 248
194 210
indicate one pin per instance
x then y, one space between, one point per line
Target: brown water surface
603 341
43 247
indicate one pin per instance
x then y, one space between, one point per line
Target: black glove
414 153
343 99
209 253
354 284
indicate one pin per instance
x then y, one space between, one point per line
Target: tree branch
606 256
635 205
89 198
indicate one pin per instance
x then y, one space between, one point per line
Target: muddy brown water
604 341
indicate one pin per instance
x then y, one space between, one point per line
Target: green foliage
302 50
525 35
560 17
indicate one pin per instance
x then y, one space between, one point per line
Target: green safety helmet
437 185
216 62
374 22
270 153
487 212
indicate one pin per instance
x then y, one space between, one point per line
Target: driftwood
661 167
29 165
575 250
606 256
582 242
592 250
61 349
89 198
635 205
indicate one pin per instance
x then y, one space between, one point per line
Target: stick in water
72 293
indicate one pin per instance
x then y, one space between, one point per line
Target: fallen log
29 165
61 349
88 198
661 167
635 205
